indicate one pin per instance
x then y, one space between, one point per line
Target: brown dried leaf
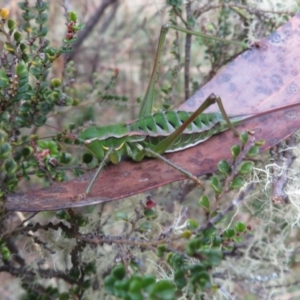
259 79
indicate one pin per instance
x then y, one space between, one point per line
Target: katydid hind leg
169 140
225 116
186 173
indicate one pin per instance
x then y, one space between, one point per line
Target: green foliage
235 151
27 98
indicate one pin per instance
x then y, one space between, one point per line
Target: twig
283 159
88 29
221 214
188 44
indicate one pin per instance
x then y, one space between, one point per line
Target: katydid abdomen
158 126
131 138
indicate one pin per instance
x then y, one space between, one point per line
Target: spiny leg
181 170
100 168
225 116
169 140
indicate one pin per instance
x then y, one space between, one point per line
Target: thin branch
87 30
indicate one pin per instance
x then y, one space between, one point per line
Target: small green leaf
25 57
204 203
191 224
236 183
90 268
23 87
74 272
78 27
87 284
36 71
246 167
72 16
78 172
17 36
235 151
109 282
118 271
163 290
202 279
213 257
135 285
260 143
42 6
21 69
244 137
4 81
223 167
237 239
5 150
161 249
209 232
64 296
121 288
5 253
146 226
214 183
196 269
68 101
61 214
253 151
179 279
65 158
240 227
55 82
82 221
229 233
150 213
50 145
11 24
166 89
75 102
216 242
3 136
192 246
148 281
8 47
23 48
177 3
191 22
10 166
120 215
186 234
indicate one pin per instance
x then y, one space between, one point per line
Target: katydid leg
147 104
101 166
168 141
181 170
225 116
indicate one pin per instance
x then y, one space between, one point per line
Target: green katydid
155 134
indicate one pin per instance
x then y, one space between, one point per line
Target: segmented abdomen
159 125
